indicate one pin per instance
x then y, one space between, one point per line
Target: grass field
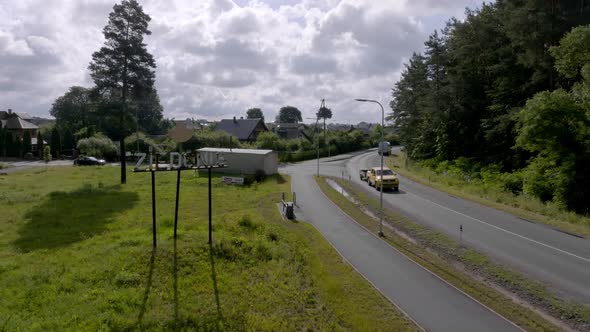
76 254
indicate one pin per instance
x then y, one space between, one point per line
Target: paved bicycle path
432 303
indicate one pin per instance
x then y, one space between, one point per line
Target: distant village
24 135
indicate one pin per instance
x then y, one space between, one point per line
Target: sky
217 58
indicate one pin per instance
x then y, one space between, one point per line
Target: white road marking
504 230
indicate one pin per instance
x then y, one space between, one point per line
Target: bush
144 143
212 139
259 175
101 147
270 140
513 182
246 222
248 180
47 153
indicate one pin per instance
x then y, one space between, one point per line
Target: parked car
88 160
389 178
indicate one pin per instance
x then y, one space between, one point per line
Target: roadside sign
232 180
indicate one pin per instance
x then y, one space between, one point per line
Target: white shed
245 161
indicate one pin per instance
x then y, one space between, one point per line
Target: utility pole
322 106
381 174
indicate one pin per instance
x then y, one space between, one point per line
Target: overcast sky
217 58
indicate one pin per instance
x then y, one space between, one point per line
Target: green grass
2 165
521 205
76 254
440 254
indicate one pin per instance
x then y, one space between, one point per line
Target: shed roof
243 151
241 128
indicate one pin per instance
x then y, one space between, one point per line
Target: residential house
246 130
289 130
17 124
189 124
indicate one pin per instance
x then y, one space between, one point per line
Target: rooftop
244 151
241 128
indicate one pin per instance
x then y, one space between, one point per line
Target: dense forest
507 88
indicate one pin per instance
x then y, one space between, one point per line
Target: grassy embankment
75 254
443 255
493 195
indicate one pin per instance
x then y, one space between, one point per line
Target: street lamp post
381 182
317 142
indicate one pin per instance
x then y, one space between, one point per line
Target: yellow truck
389 178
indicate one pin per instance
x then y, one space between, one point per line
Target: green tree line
506 87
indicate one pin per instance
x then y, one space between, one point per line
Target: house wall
21 132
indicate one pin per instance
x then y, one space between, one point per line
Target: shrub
101 147
248 180
144 143
259 175
513 182
246 222
210 138
47 153
270 140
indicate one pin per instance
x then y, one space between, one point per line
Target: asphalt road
560 260
429 301
17 166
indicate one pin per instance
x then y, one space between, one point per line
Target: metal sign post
210 216
182 165
154 208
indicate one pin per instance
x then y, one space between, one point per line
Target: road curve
560 260
428 300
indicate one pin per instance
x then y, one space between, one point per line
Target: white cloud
216 58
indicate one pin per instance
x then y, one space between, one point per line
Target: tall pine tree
123 69
408 106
